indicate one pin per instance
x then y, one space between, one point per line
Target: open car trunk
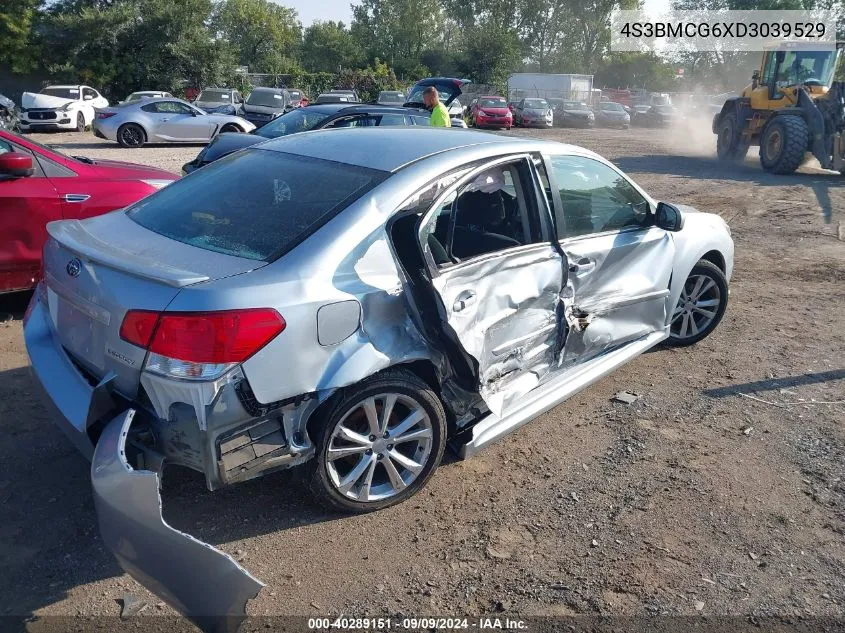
449 89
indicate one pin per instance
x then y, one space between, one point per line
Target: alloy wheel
131 135
379 448
697 307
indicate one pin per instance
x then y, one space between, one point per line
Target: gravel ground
719 492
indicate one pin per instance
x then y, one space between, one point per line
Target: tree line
125 45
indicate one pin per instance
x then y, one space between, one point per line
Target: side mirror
755 79
15 165
668 217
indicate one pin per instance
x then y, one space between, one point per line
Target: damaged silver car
347 301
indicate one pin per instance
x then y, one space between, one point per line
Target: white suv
60 107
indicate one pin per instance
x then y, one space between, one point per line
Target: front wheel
701 306
729 144
378 445
784 144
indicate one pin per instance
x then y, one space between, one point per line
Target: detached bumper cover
200 581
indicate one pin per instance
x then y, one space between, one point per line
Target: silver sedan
345 301
163 120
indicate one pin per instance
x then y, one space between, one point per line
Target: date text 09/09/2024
414 624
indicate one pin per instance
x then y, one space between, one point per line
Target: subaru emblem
74 266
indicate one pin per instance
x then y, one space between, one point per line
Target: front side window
171 107
596 198
256 204
493 212
391 119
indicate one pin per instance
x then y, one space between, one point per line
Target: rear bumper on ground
197 579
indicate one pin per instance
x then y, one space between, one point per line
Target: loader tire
729 146
784 144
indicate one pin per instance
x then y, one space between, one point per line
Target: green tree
135 44
265 35
397 31
329 46
17 18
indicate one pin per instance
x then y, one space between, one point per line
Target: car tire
230 127
338 482
131 135
783 144
80 122
701 306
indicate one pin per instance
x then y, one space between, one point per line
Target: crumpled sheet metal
202 582
511 326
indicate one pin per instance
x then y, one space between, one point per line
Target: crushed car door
620 264
497 271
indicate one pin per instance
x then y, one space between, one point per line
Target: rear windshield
299 120
256 204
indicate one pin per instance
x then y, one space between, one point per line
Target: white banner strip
694 31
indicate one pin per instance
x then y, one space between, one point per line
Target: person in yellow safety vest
439 113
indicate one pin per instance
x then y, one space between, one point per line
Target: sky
310 10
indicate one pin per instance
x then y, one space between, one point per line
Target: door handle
464 300
165 120
76 197
582 266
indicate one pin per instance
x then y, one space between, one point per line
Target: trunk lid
449 89
97 269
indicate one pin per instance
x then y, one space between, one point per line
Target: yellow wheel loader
791 107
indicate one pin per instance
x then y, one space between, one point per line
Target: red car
490 111
39 184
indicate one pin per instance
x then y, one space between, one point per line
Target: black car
657 116
265 104
330 115
575 114
8 114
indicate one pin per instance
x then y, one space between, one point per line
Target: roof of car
391 148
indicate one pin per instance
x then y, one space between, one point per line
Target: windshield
256 204
493 103
266 98
64 93
391 97
574 105
137 96
798 67
214 96
299 120
536 104
612 107
664 109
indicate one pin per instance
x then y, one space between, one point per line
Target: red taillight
229 336
105 115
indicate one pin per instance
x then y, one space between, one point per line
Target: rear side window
256 204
